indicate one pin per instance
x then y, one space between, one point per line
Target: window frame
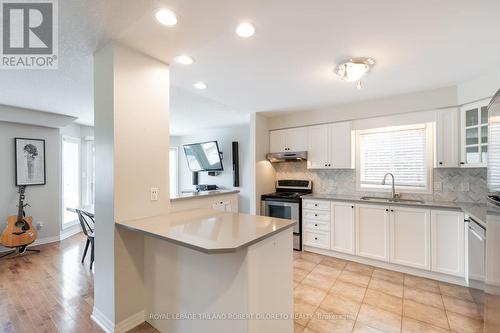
78 141
429 153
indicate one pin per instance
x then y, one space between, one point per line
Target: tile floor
333 295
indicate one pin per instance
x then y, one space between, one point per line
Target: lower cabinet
423 238
448 242
343 227
410 236
372 231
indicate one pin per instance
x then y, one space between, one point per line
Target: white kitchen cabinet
447 138
316 223
372 231
343 227
329 146
474 134
318 151
448 242
410 236
293 139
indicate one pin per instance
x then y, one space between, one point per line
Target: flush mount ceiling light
354 69
200 85
245 30
184 59
166 17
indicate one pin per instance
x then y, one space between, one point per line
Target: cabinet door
448 242
277 141
410 237
296 139
372 231
343 227
318 150
474 135
340 145
447 141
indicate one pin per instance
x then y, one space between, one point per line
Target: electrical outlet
155 193
464 187
438 186
39 226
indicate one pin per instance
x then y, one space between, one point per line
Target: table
89 209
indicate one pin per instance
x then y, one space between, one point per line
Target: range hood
287 157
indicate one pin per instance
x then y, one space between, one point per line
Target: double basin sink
382 199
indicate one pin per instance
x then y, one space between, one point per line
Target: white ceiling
287 65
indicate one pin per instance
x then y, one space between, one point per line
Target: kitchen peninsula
204 267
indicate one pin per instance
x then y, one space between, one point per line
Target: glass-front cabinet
474 119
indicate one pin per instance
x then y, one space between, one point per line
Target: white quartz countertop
209 231
474 210
201 194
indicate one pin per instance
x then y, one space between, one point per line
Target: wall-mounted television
203 156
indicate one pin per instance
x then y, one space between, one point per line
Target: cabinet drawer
316 215
317 239
316 225
316 204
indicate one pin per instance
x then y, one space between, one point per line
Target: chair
88 225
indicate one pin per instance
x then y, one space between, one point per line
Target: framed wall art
30 161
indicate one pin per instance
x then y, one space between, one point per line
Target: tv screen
204 156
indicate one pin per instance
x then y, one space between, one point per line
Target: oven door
283 210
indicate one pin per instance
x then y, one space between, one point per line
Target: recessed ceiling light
184 60
166 17
245 30
200 85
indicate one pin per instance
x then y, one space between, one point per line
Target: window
475 134
173 170
70 177
405 151
89 192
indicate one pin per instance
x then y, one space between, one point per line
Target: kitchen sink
382 199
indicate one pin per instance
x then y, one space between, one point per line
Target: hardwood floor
50 291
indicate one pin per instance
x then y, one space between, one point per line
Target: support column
131 92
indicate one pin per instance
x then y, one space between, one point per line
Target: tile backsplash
456 185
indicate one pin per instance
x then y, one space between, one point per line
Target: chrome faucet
394 194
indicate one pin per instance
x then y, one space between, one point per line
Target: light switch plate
438 186
155 193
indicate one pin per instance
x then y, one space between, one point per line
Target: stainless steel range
286 203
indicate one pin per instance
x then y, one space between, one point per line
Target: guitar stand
20 250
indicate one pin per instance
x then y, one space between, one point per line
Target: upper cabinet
329 146
293 139
447 138
474 135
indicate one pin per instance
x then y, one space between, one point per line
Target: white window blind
403 152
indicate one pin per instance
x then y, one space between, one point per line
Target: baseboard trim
130 322
100 319
390 266
70 232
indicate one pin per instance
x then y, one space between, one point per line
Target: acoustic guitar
19 231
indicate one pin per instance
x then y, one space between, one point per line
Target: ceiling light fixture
354 69
166 17
200 85
184 59
245 30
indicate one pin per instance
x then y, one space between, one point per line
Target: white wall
420 101
224 136
263 173
132 138
480 87
44 199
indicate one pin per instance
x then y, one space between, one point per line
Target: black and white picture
30 161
